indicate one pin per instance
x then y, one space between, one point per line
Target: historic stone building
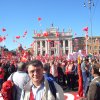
52 42
79 44
93 45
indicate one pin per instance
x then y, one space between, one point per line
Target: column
36 48
41 47
69 46
63 46
57 48
46 47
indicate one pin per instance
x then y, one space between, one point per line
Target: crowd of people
37 79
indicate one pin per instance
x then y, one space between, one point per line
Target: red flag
4 38
1 38
25 32
17 37
86 32
45 34
80 80
3 29
39 18
24 56
57 34
23 59
85 29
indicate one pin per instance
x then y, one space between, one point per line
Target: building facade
52 42
93 45
79 44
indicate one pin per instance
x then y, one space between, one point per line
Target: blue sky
17 16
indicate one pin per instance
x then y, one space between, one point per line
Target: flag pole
90 4
86 45
86 38
86 42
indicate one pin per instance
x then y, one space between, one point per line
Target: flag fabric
57 34
1 39
4 38
85 29
86 32
3 29
17 37
80 81
39 18
25 32
24 35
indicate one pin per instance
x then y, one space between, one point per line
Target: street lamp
90 4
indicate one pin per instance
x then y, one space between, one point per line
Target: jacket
94 90
47 95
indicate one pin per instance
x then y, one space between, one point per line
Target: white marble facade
52 42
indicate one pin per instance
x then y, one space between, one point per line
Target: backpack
14 88
52 86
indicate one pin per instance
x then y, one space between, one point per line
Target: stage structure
52 42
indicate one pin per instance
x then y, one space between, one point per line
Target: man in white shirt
19 78
38 88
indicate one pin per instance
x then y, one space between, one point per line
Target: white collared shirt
38 91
